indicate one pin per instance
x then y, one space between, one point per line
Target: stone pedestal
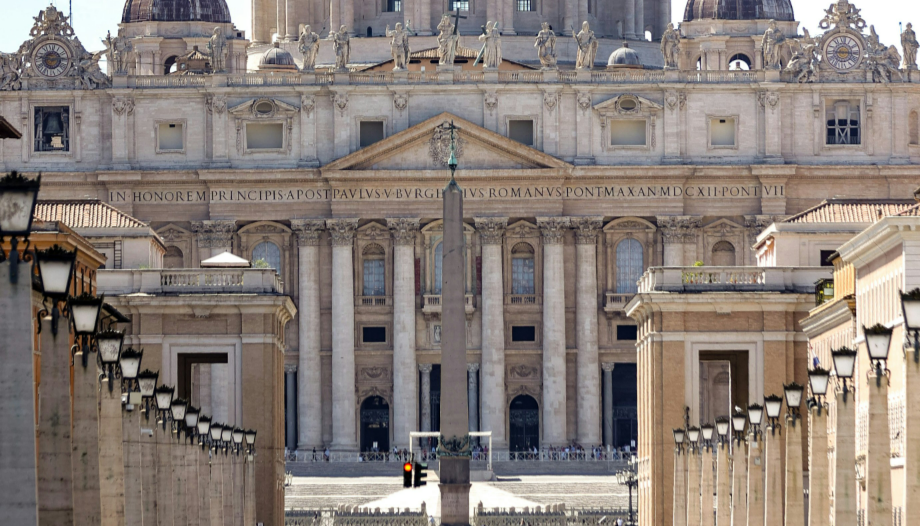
878 454
739 484
111 456
85 459
249 493
192 483
680 488
755 493
473 395
819 505
795 485
492 378
215 505
204 486
773 480
693 487
179 483
55 500
455 491
723 487
706 489
344 437
18 483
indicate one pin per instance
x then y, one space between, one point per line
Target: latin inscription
296 195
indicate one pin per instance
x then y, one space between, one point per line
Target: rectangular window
627 132
526 5
522 276
170 137
521 131
523 333
373 277
843 123
825 255
264 136
722 133
627 333
52 129
459 5
371 132
374 334
392 6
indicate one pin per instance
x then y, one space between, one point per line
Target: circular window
264 108
627 104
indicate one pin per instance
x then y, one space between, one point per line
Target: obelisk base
455 491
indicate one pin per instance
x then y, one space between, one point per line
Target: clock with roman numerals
843 52
51 59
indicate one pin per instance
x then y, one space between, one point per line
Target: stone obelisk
454 449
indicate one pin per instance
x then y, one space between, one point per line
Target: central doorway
375 424
524 419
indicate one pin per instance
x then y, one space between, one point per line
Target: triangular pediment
424 147
627 104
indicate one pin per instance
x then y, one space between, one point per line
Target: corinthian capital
214 234
679 229
553 229
491 229
586 229
342 231
308 231
404 230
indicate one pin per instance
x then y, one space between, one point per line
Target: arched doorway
375 424
524 419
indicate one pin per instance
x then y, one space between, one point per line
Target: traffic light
407 475
420 475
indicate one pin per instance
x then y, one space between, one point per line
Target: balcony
431 304
523 299
732 279
190 281
373 301
616 302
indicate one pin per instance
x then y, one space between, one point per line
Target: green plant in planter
697 263
260 263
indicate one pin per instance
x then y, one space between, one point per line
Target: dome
780 10
276 57
624 57
215 11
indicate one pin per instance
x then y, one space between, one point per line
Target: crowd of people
574 451
571 452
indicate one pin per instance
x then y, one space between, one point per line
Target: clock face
51 59
843 52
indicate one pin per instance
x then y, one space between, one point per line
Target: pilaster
554 367
492 378
676 233
587 381
795 485
405 379
342 232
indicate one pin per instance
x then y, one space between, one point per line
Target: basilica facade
576 182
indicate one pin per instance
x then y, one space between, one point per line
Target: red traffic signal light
407 475
420 475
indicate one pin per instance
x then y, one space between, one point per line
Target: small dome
624 57
780 10
176 11
276 57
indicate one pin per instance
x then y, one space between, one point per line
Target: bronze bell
53 124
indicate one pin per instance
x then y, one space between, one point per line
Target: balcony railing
523 299
190 281
431 303
616 301
373 301
732 279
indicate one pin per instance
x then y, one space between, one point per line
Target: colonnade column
290 16
425 369
473 395
290 406
554 384
640 19
405 377
491 232
629 24
587 381
309 375
608 403
342 232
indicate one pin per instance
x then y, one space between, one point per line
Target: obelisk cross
452 160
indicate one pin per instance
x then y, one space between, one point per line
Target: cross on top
457 18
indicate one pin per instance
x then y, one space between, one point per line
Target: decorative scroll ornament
214 234
404 230
217 104
342 231
400 101
491 229
586 229
439 144
308 231
550 100
51 22
584 101
553 229
340 100
456 447
491 102
843 14
123 105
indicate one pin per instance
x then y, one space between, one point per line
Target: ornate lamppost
627 477
18 196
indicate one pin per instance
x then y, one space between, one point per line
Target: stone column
473 394
342 232
680 486
290 16
587 381
570 19
203 461
238 488
723 486
227 496
193 497
405 377
425 369
131 423
215 506
18 481
179 482
249 498
795 484
706 489
640 19
348 16
878 452
554 376
755 489
845 497
693 487
819 505
491 231
739 483
608 404
773 480
290 406
676 232
335 16
164 501
148 450
629 24
220 399
214 237
85 458
309 377
55 479
111 456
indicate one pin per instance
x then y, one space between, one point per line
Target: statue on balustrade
491 52
546 47
587 47
308 44
10 66
118 50
883 61
804 61
399 45
670 47
217 47
772 45
89 73
909 45
341 44
448 39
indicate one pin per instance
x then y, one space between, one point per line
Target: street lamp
177 413
84 313
192 414
128 364
18 196
706 430
773 405
910 304
755 417
738 421
844 365
818 378
679 439
627 477
55 272
204 428
722 425
163 396
216 431
237 439
250 440
693 434
878 341
109 344
226 438
146 384
793 394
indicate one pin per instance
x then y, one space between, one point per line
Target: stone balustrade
431 303
523 299
190 281
615 302
732 279
373 301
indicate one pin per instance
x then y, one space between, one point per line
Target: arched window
438 256
912 124
629 266
522 280
739 61
723 254
170 65
374 276
173 258
267 255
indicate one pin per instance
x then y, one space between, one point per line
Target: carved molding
491 229
123 105
491 102
550 99
308 231
385 392
400 101
756 224
531 390
679 229
584 101
425 368
586 229
340 101
439 144
214 234
523 370
607 367
290 368
307 103
404 230
374 373
553 229
216 104
472 367
342 231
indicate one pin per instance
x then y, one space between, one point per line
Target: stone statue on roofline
217 47
587 47
308 44
341 44
491 52
670 47
546 47
882 61
399 45
118 50
447 42
909 45
804 61
772 45
10 68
